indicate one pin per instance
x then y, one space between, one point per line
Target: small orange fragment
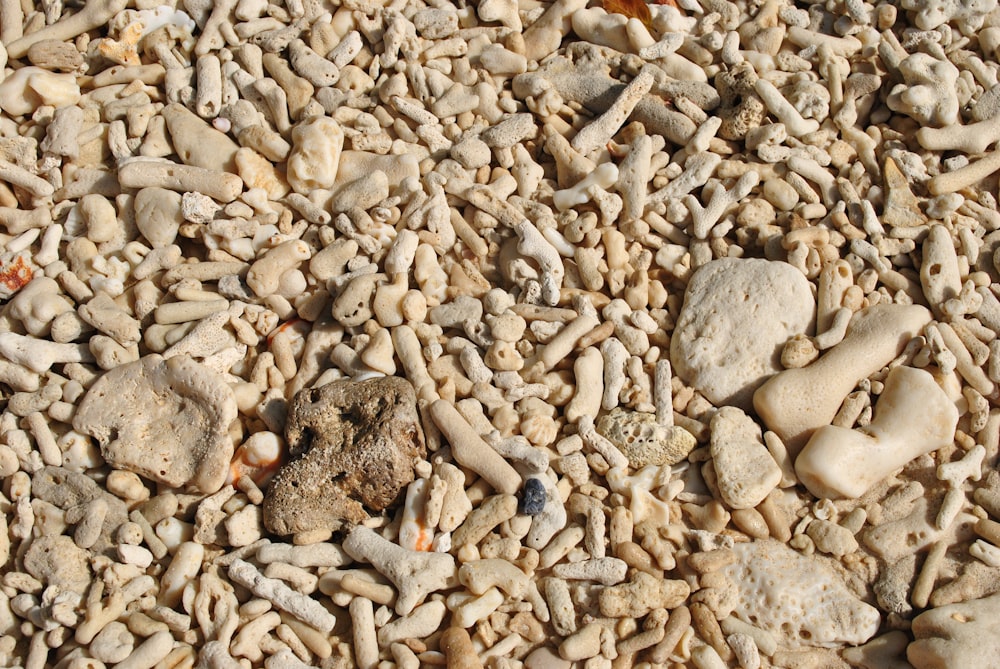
634 9
16 275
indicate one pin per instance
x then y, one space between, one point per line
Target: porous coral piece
353 446
315 157
725 299
643 440
966 634
71 490
415 574
968 15
744 468
928 95
167 420
641 595
58 561
740 107
799 599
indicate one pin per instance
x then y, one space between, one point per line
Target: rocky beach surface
509 334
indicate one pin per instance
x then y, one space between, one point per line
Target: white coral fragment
315 156
928 96
967 15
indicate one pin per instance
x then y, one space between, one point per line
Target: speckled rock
57 561
737 314
353 446
741 108
68 489
957 636
744 468
644 441
799 599
165 419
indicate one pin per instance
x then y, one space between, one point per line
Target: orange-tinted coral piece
634 9
16 275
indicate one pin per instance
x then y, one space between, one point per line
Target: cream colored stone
644 441
315 157
725 300
957 636
796 402
744 468
913 416
798 599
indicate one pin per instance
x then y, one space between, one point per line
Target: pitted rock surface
737 315
353 446
799 599
165 419
745 470
643 441
57 561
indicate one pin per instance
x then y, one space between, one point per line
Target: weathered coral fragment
353 447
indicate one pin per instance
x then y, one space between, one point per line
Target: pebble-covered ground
576 335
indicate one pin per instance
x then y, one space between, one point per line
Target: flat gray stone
67 489
737 315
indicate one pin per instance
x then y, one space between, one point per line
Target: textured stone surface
68 489
57 561
957 636
165 419
643 441
799 599
353 446
737 315
744 468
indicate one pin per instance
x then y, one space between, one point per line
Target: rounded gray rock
737 315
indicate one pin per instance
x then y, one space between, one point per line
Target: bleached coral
928 94
967 15
799 599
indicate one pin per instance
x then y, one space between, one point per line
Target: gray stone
56 560
737 315
68 489
165 419
987 106
352 446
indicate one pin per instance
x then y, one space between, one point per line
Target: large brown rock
353 446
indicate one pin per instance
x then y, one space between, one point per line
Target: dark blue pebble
533 497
